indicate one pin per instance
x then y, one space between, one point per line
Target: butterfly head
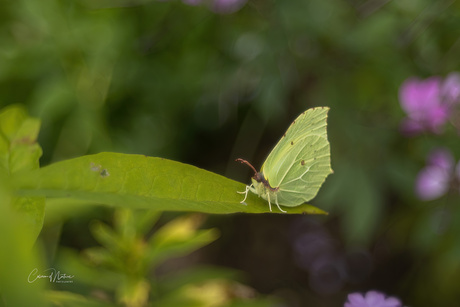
258 176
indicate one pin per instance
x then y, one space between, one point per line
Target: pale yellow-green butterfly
298 165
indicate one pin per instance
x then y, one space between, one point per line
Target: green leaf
175 248
86 272
196 274
17 259
19 151
32 210
105 235
18 142
70 299
214 292
145 219
136 181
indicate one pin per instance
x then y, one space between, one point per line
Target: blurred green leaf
214 293
106 236
179 237
33 213
19 151
19 133
126 258
134 292
196 274
61 209
136 181
144 219
70 299
17 259
106 257
86 272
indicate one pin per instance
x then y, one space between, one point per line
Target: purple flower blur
421 100
428 103
451 89
434 180
372 299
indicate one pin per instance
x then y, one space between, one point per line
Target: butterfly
297 166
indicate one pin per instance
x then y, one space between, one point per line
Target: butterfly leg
276 200
269 204
245 193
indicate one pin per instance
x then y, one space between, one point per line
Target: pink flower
436 178
428 103
451 89
421 100
372 299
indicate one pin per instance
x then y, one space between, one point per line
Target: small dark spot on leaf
105 173
302 162
292 143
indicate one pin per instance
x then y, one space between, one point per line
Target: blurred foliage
20 152
123 261
163 78
17 259
120 269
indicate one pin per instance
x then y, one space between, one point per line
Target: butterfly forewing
310 122
300 162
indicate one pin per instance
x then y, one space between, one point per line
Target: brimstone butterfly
298 165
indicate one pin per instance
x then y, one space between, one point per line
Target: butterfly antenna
247 163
